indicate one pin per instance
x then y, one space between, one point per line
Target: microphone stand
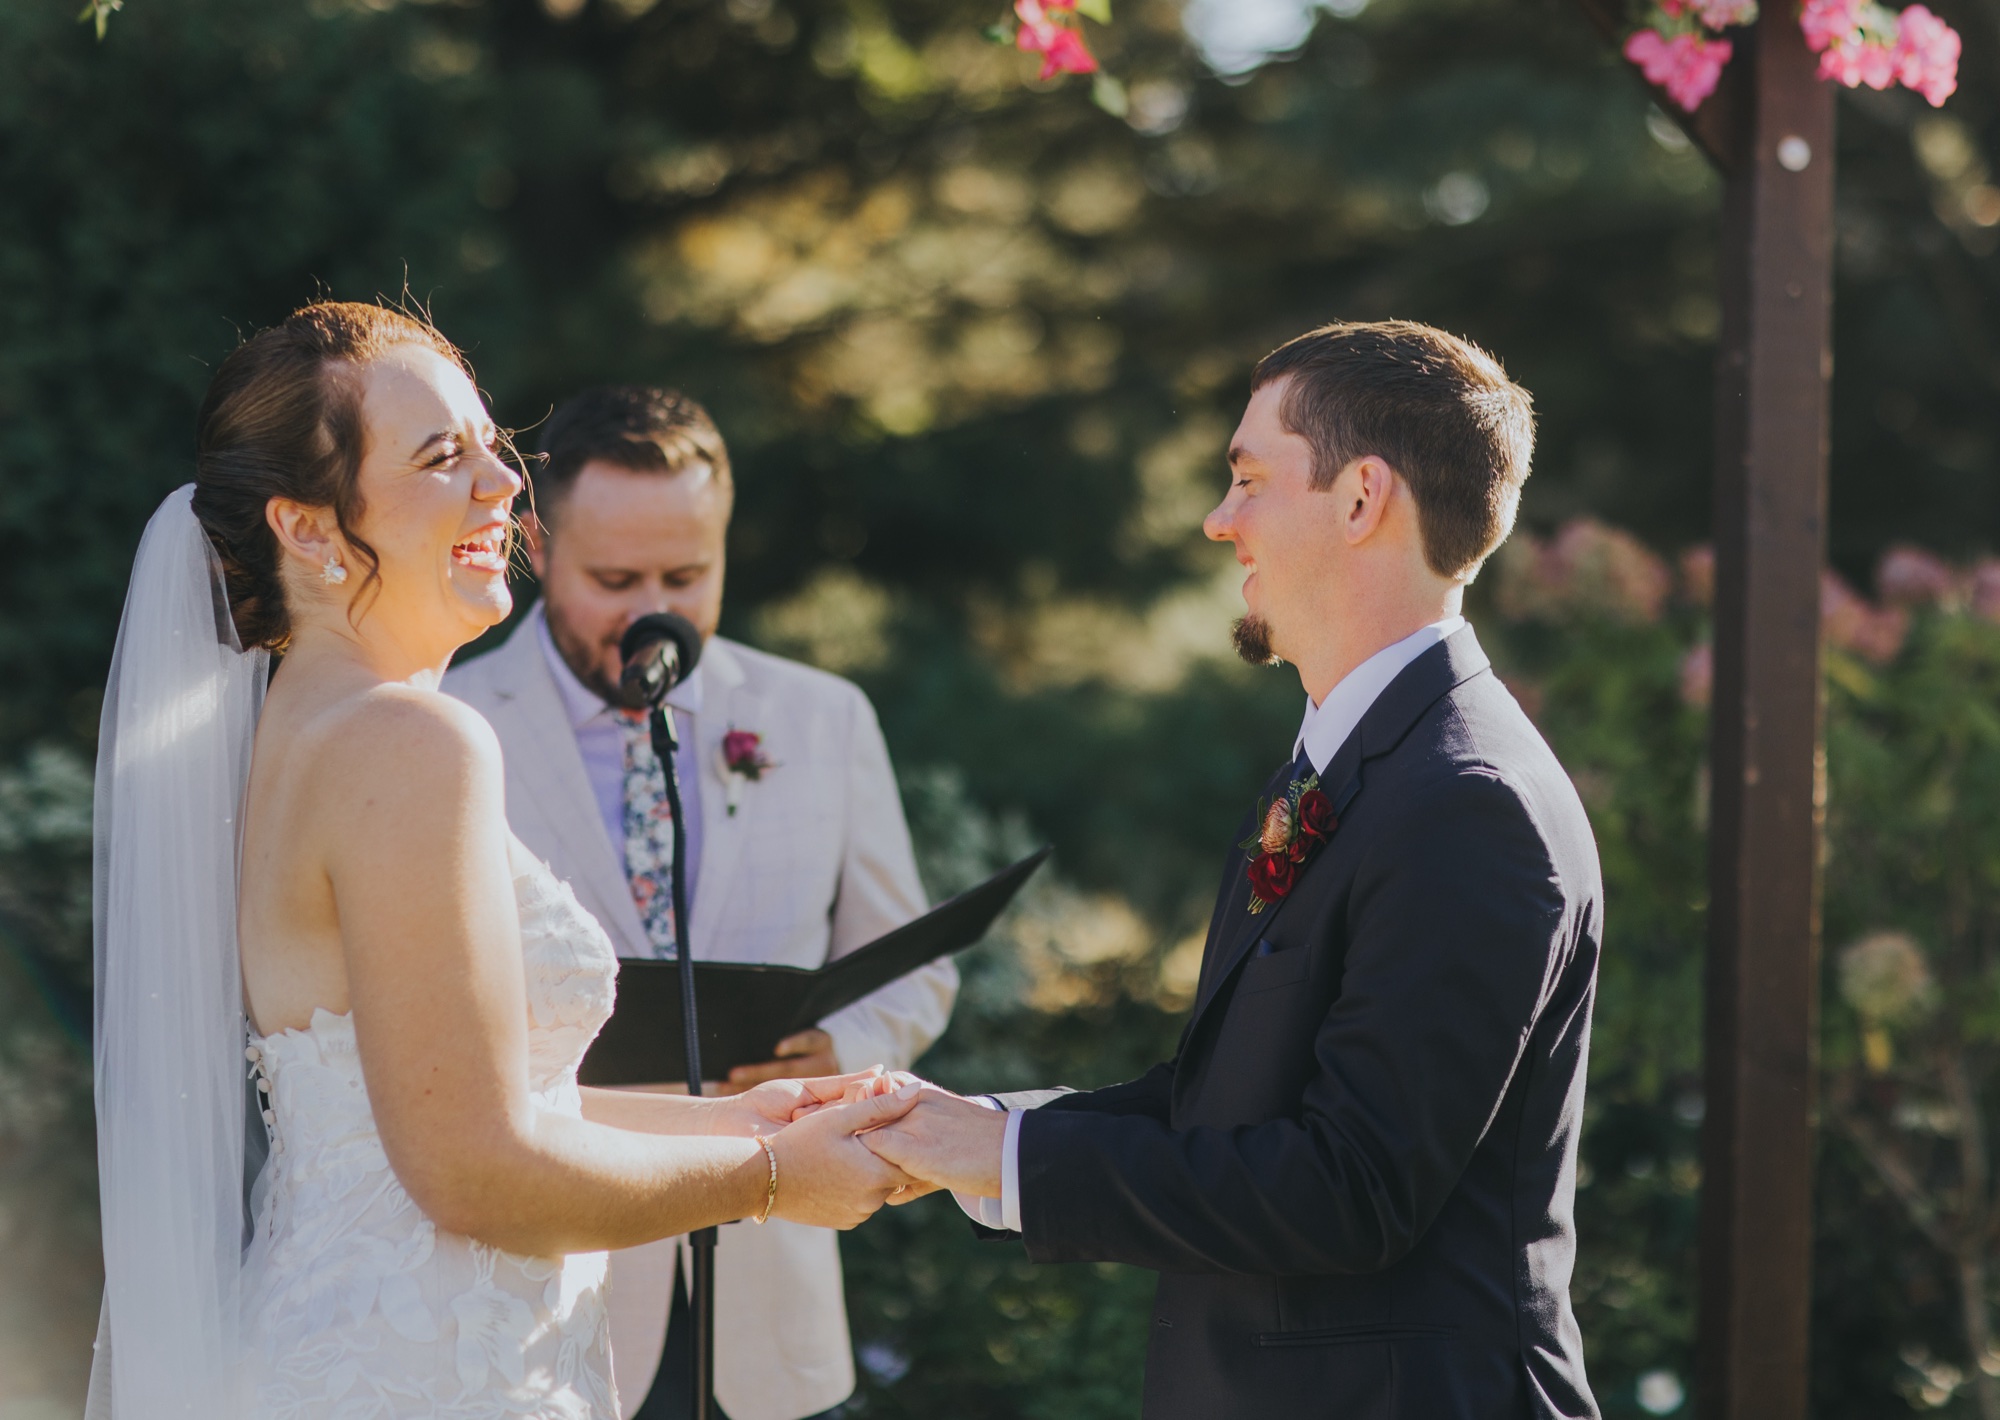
666 744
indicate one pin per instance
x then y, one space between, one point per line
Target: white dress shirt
1324 730
601 740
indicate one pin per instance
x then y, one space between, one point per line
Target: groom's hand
827 1176
946 1141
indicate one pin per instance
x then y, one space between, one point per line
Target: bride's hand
769 1107
826 1175
887 1082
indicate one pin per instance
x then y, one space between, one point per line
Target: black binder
746 1009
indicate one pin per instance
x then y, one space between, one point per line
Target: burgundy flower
1272 876
1316 818
743 752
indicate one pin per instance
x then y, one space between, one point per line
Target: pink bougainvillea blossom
1058 42
1927 54
1826 21
1863 62
1865 42
1721 14
1687 66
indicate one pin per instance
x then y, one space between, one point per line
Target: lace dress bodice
357 1305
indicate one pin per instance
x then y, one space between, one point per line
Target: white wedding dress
355 1305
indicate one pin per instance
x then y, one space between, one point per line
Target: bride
341 915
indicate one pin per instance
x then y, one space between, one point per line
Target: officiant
797 850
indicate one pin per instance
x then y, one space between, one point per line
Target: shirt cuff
1010 1173
1002 1213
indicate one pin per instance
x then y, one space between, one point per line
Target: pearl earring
333 572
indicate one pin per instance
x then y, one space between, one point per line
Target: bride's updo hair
282 419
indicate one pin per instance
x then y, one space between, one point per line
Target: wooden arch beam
1769 130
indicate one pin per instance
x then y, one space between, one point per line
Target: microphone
660 650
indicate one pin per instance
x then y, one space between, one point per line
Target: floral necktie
649 833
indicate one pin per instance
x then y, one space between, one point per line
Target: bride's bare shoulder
405 739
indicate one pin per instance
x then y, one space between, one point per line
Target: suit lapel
1232 910
1422 683
541 747
725 705
1239 929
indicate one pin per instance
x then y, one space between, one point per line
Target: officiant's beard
1252 637
585 661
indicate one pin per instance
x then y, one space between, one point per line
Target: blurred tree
978 347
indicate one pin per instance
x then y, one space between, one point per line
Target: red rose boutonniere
743 758
1289 828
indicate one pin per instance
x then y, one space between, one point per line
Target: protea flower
1277 834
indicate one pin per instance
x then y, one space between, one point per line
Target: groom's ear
1366 489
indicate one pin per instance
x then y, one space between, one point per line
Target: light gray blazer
815 862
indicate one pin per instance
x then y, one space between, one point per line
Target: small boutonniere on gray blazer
743 760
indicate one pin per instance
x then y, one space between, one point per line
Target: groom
1356 1177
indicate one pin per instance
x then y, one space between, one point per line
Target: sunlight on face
624 543
1283 530
435 498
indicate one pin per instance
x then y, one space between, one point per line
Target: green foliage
978 349
48 1215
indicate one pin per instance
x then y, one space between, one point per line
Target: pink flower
1061 47
1909 576
1986 589
1688 67
1698 574
1854 625
1721 14
1828 22
1861 62
1927 54
1587 570
1698 676
1863 42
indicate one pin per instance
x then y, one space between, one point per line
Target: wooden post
1766 759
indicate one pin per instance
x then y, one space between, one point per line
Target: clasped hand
847 1144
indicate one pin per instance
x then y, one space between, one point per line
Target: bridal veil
180 713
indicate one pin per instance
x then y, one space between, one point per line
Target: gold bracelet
771 1189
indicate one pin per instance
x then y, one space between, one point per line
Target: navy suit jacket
1356 1177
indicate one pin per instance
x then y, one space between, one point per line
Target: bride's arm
410 822
763 1109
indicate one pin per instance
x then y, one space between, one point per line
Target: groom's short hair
1437 409
645 428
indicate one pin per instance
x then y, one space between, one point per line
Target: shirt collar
580 702
1328 724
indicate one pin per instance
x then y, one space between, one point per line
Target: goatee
1252 637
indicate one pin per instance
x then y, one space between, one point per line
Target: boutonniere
743 758
1289 828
